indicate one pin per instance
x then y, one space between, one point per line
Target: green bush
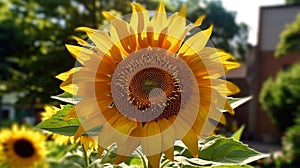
289 38
291 144
280 97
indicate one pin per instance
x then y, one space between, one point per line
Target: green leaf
57 124
67 97
236 102
134 161
237 135
57 152
234 166
215 151
221 150
109 155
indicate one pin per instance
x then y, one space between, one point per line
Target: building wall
271 23
274 20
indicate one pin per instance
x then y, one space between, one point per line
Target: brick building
261 65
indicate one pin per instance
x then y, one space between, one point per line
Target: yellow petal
89 89
151 141
182 11
168 138
87 75
154 160
170 153
223 55
209 63
121 32
199 20
65 75
89 142
100 150
124 125
100 39
71 114
69 87
225 88
81 42
80 131
129 145
216 115
176 32
228 107
90 122
106 136
108 15
159 20
231 88
196 24
228 65
177 25
138 8
207 113
90 106
195 43
81 54
191 141
139 18
179 126
102 65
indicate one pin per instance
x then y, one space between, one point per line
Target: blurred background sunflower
88 142
22 147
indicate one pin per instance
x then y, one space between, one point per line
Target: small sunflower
21 147
148 82
88 142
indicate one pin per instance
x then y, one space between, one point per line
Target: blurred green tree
32 38
289 39
280 97
292 2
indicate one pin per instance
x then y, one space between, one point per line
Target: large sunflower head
88 142
149 81
21 147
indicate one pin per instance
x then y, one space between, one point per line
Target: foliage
276 159
237 135
291 143
280 97
292 2
214 151
289 39
33 34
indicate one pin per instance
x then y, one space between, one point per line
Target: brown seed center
150 84
23 148
152 78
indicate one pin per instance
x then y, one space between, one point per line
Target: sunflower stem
85 157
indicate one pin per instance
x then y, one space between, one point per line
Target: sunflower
149 81
88 142
21 147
